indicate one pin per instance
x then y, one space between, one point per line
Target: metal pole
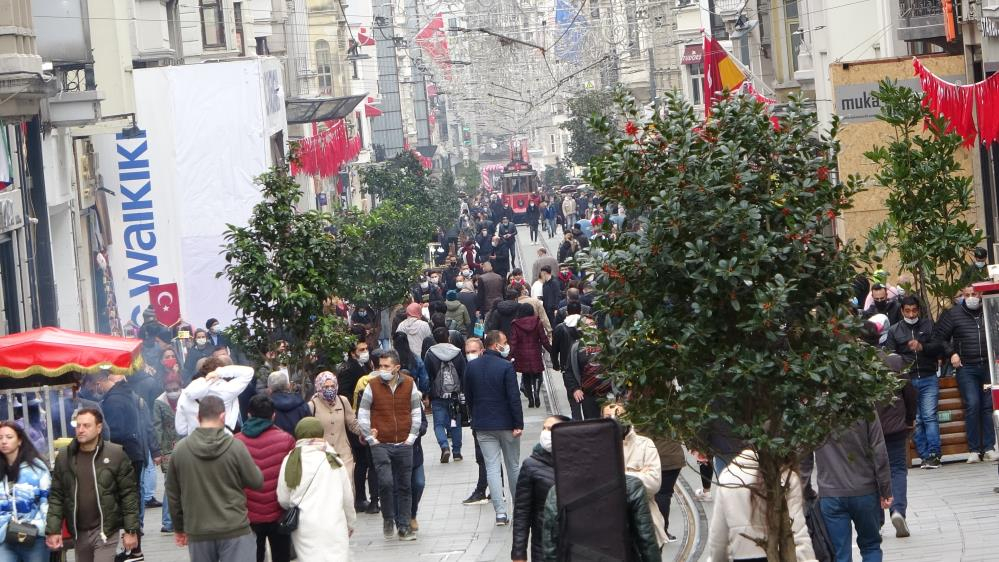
48 423
652 79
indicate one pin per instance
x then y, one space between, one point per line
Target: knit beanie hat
452 295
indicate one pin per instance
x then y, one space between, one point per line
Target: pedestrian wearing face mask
492 392
910 339
882 304
977 270
216 338
959 337
334 411
641 460
537 477
390 423
164 418
197 352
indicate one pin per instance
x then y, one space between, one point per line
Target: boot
537 391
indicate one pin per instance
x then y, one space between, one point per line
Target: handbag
17 532
288 523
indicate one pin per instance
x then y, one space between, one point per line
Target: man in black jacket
551 291
564 336
959 337
908 339
537 477
130 425
882 305
507 231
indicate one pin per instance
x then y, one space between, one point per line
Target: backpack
589 372
447 383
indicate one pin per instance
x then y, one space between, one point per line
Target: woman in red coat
527 337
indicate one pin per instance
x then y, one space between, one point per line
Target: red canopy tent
54 352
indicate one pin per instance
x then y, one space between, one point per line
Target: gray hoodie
852 462
437 355
416 330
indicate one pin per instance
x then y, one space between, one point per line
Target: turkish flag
166 302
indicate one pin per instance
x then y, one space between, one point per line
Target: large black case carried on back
592 497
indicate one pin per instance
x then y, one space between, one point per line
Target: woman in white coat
313 479
737 521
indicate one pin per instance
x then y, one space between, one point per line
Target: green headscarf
307 428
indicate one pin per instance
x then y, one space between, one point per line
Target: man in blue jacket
497 416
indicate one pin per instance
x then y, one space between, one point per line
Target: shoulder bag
289 521
17 532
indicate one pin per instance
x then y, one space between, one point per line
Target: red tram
519 184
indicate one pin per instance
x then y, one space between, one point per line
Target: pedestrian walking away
446 366
313 480
205 482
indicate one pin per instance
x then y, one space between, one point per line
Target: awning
52 352
369 108
313 110
692 54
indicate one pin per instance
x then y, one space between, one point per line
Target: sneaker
407 534
502 520
991 455
445 456
153 502
372 508
932 462
457 457
973 458
670 538
703 495
901 528
361 507
388 529
166 530
477 498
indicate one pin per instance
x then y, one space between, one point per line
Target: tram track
693 541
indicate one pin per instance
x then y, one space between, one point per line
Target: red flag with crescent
166 302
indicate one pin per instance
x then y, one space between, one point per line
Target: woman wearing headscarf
314 479
336 416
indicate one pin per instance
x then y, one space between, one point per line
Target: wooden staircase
950 413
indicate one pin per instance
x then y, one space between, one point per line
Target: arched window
324 67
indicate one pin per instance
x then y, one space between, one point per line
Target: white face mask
460 284
386 375
911 321
505 350
173 394
201 341
471 356
973 303
363 358
980 264
546 440
424 285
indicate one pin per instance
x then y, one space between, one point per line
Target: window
552 141
212 23
324 67
237 13
793 43
696 83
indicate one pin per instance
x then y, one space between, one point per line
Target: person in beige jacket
641 460
737 522
337 417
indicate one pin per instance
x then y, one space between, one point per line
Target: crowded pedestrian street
499 280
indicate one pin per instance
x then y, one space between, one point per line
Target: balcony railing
921 20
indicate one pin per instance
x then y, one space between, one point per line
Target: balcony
78 101
920 20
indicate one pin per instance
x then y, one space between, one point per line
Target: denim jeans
394 464
167 522
419 483
865 513
977 408
149 479
446 425
927 436
551 227
493 444
37 552
896 445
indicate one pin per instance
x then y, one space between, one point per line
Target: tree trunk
779 541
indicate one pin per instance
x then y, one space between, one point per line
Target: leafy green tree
468 176
583 144
928 196
728 304
557 175
282 267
